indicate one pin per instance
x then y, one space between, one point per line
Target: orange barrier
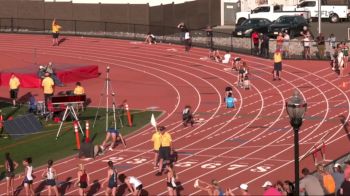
87 132
128 114
1 121
77 140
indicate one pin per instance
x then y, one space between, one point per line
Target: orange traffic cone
77 140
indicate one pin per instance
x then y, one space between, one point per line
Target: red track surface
250 144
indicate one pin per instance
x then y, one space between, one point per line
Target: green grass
44 146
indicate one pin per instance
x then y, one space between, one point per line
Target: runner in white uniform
134 185
28 177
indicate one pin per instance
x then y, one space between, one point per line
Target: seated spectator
187 116
338 176
227 57
150 39
79 90
230 101
32 104
310 184
269 190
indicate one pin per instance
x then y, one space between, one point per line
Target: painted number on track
261 169
185 164
210 165
113 159
236 166
136 161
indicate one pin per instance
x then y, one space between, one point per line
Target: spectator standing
188 42
331 41
277 69
346 54
279 41
264 46
14 84
320 45
83 180
305 31
10 166
164 149
51 71
338 177
269 190
28 176
286 41
55 32
310 184
48 86
50 175
156 145
340 61
255 39
307 44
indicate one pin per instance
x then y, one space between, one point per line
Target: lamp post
296 108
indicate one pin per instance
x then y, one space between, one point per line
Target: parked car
247 27
293 24
334 13
270 12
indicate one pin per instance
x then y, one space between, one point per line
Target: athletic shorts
26 181
170 185
112 185
139 187
55 35
277 66
10 174
113 131
50 182
13 93
83 185
164 153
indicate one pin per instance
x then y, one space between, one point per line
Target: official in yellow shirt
14 84
156 145
55 32
48 86
277 68
79 90
164 149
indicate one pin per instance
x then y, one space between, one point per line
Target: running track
250 144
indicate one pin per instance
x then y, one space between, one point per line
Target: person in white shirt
28 176
187 41
134 185
286 39
340 59
307 44
227 57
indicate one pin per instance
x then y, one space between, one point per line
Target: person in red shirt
255 38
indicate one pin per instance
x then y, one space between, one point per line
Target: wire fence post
105 28
134 30
44 24
231 42
11 24
75 27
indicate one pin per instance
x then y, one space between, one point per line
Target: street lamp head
296 108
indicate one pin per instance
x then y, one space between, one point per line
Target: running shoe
196 183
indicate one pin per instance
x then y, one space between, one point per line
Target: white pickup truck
333 12
271 12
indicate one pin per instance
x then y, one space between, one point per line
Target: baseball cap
243 187
336 165
267 183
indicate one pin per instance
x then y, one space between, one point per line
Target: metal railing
168 34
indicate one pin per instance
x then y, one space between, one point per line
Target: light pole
296 108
